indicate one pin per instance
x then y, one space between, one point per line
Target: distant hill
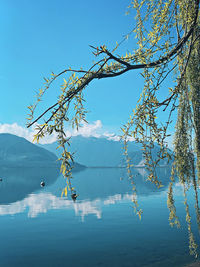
18 152
101 152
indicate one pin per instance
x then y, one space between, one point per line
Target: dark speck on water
42 184
74 196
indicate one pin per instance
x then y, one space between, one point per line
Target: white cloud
24 132
88 130
17 130
94 129
111 136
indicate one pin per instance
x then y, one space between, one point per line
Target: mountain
101 152
18 152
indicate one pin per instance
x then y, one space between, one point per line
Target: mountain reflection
96 187
95 183
17 183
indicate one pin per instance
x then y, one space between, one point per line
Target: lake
39 228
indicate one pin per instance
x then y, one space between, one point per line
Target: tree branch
101 72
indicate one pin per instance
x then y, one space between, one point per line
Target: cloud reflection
36 204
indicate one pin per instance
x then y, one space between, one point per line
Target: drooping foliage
168 44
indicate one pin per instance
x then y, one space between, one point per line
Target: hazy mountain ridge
101 152
16 151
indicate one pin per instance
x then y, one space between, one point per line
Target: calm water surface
39 228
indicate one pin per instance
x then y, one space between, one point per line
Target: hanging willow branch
159 23
124 64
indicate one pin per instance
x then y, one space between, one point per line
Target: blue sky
40 36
